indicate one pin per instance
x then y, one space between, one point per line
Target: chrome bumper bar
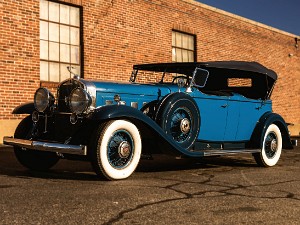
46 146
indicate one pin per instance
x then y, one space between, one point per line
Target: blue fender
109 112
264 122
26 108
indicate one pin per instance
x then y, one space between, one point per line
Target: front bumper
46 146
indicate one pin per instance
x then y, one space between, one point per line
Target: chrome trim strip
217 152
46 146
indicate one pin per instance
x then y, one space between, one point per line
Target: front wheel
117 149
271 147
31 159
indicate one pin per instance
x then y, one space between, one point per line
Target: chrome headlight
43 99
79 101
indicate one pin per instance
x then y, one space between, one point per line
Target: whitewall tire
271 147
118 149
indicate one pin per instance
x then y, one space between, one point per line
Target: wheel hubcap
180 125
120 149
271 145
124 149
185 126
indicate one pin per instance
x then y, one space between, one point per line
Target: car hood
132 88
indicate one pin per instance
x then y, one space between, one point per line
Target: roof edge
214 9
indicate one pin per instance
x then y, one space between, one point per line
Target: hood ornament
75 76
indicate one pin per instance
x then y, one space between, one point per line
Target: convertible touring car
186 109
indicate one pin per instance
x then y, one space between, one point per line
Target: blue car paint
232 118
139 93
250 113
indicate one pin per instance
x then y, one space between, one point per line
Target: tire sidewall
172 104
107 169
272 161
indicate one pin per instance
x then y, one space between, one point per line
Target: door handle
224 106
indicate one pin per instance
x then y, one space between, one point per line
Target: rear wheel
271 147
32 159
117 149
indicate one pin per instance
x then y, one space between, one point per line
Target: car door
232 120
213 115
250 112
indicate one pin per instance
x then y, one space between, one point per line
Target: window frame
185 49
80 45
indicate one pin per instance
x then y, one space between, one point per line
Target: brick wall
19 53
120 33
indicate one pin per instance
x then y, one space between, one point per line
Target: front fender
125 112
264 122
26 108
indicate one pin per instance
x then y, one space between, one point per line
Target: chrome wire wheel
120 149
180 126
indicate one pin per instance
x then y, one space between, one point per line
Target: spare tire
178 115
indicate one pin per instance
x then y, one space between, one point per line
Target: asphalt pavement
214 190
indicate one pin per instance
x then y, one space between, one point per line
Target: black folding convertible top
263 79
187 67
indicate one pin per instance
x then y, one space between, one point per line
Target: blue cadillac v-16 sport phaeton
188 109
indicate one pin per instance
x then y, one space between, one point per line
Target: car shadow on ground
79 170
167 163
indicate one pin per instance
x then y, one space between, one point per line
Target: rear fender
264 122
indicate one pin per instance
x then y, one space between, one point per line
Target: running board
219 152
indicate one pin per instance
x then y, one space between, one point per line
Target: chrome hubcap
124 149
271 145
180 125
185 126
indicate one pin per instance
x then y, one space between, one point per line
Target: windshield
144 76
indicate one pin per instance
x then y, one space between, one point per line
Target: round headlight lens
79 101
43 99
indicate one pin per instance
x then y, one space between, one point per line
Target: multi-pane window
183 47
59 40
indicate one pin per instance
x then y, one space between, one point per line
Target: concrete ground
218 190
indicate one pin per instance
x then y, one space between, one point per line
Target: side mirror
199 79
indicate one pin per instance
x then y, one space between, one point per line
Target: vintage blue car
187 109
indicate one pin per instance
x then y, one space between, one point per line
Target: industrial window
183 47
59 40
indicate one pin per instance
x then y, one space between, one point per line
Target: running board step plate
218 152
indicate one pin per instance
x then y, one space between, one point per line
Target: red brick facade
118 34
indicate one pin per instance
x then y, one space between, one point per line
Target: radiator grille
63 92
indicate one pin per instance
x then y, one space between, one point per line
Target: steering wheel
184 78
